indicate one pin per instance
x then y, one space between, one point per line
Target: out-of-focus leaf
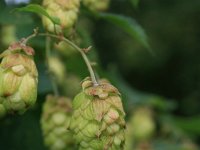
6 17
160 144
44 85
129 25
189 124
15 129
134 97
38 10
135 3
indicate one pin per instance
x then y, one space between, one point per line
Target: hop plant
97 5
54 122
98 118
18 79
140 128
65 10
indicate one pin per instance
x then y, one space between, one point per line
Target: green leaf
133 97
17 19
128 25
188 124
135 3
38 10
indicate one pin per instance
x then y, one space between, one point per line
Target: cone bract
65 10
18 79
98 118
54 122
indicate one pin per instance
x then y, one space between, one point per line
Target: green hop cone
96 5
18 78
54 122
98 118
65 10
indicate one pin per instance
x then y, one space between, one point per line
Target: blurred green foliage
166 80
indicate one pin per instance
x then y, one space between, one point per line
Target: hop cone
18 79
140 128
97 5
54 122
98 118
65 10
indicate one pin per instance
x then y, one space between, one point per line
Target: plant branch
62 38
25 40
92 74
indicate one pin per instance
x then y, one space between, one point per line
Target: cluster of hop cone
94 119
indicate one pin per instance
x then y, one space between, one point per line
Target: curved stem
92 74
25 40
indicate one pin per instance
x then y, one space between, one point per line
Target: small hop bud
98 118
143 123
8 34
140 128
65 49
65 10
97 5
54 122
18 78
57 68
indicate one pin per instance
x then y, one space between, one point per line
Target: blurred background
160 84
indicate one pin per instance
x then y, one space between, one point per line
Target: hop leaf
98 118
18 78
